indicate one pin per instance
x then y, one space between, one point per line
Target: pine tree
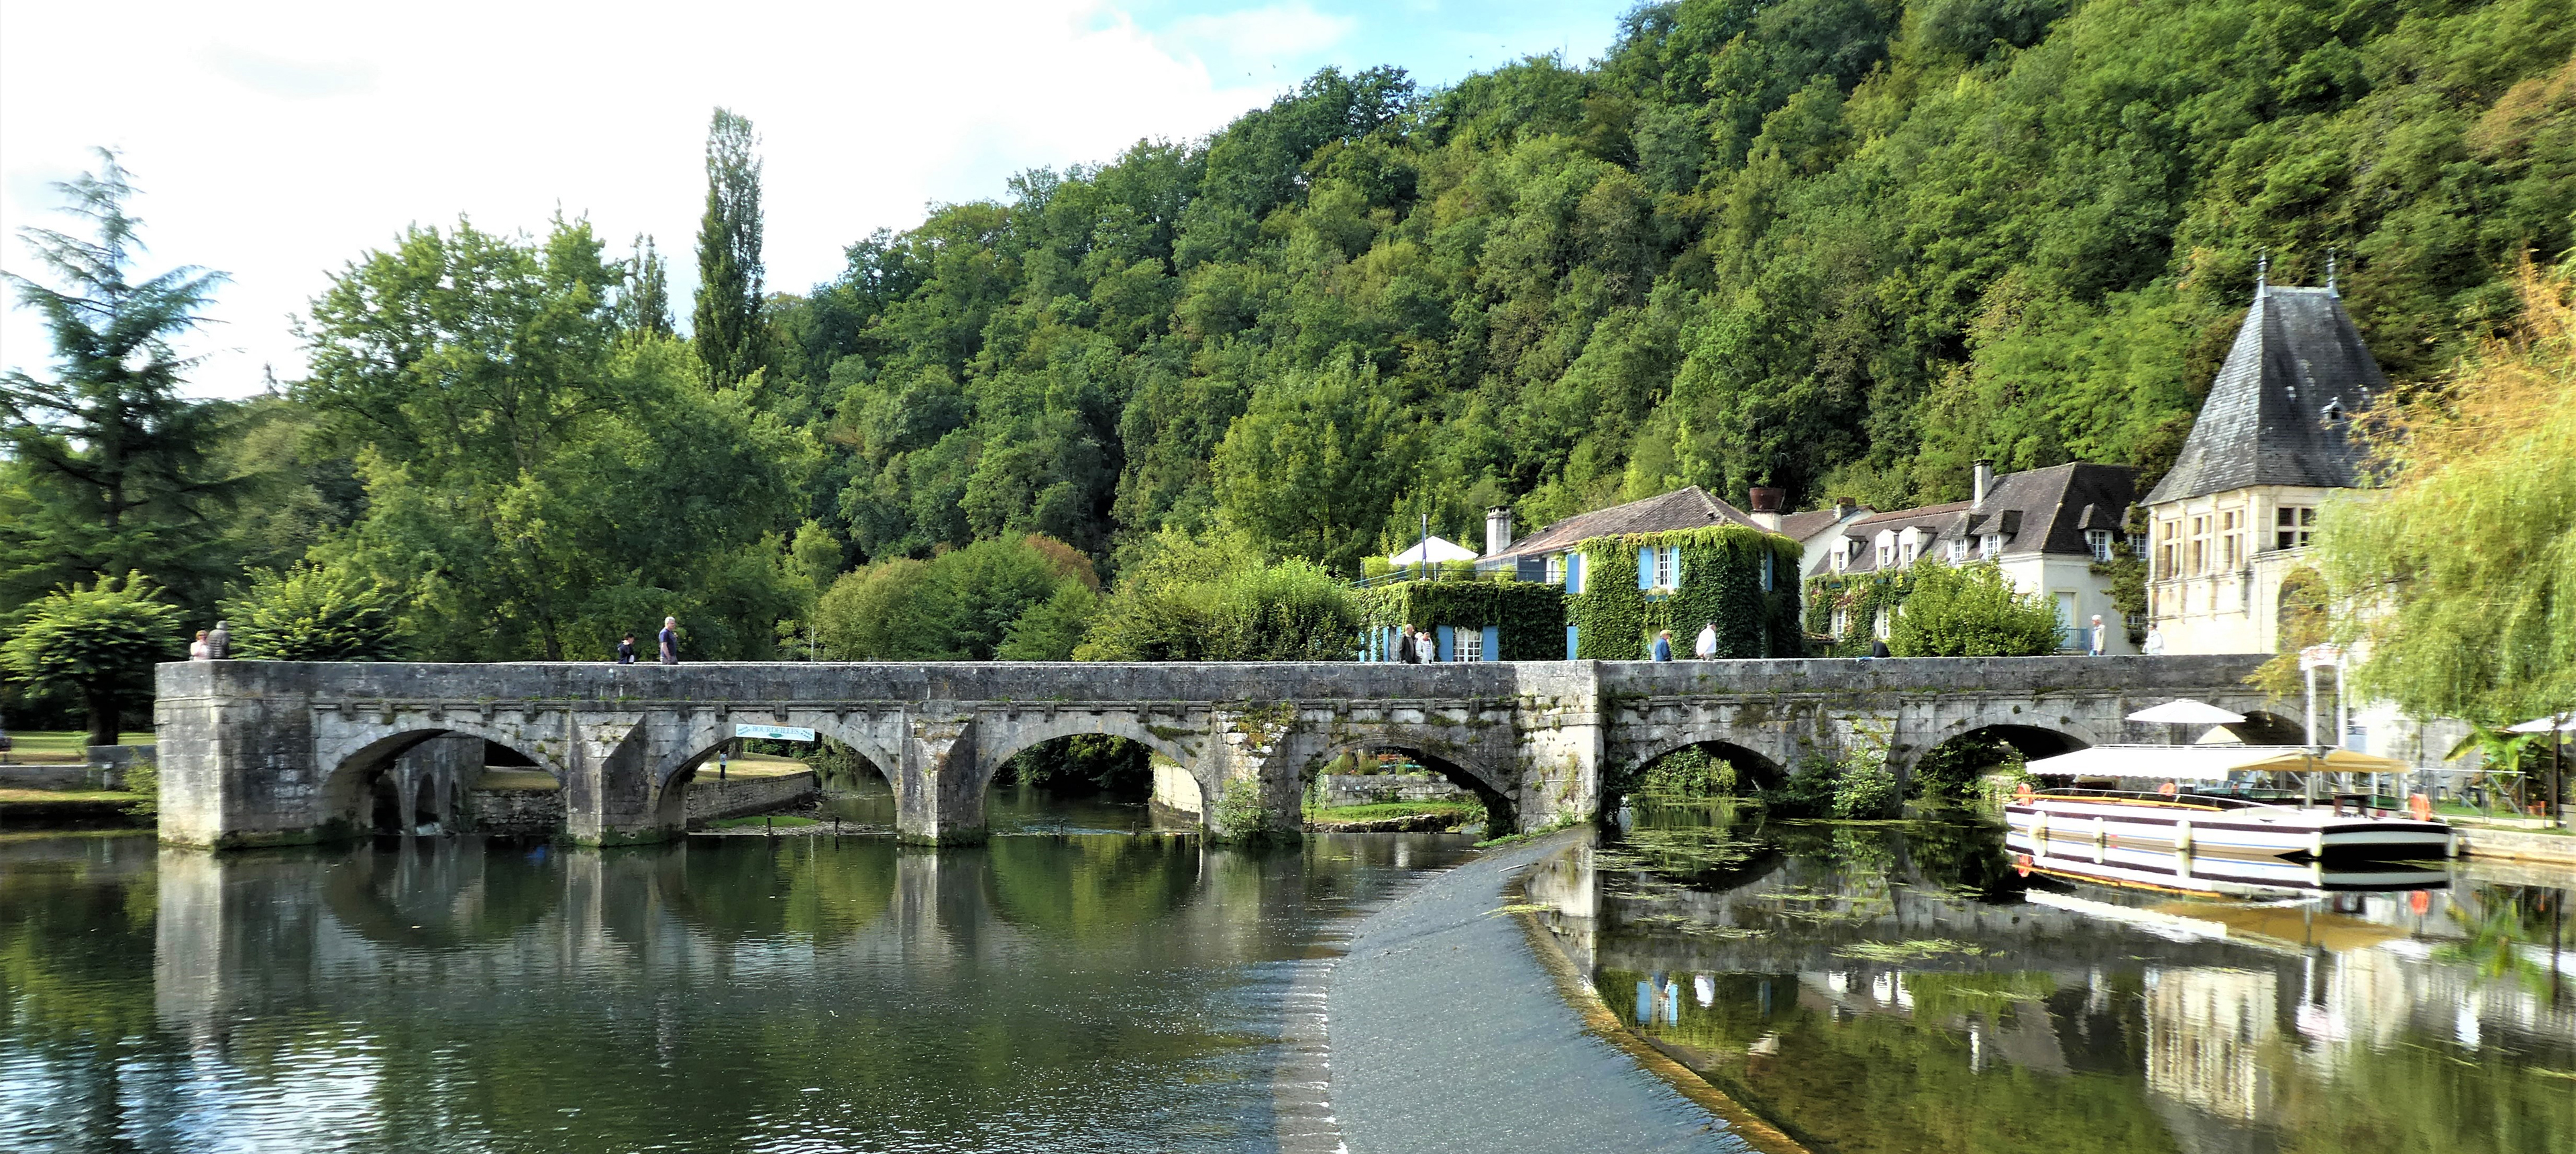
726 321
113 457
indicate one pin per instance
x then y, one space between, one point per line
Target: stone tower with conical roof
2234 517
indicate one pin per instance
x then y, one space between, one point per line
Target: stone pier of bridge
266 753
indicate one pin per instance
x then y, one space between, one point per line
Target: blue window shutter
1646 568
1573 649
1493 643
1766 571
1448 644
1676 551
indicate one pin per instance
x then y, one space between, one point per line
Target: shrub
1971 611
98 641
314 613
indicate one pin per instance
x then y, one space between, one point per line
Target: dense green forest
1841 246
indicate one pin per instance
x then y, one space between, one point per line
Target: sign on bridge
773 732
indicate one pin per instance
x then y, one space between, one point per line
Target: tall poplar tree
113 458
726 322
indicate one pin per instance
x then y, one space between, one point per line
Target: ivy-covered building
1597 586
2058 532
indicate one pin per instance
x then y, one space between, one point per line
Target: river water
1075 991
1914 987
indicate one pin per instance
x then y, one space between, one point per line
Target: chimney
1843 508
1498 529
1985 480
1766 502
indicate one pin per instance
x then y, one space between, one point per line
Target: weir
272 753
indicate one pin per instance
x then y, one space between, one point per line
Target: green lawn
60 746
63 796
1379 811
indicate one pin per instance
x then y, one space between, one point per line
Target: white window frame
2099 541
1990 546
1958 550
1470 643
1555 573
1668 567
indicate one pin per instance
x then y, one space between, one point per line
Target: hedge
1721 584
1531 615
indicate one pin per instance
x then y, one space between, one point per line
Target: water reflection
1874 988
1046 992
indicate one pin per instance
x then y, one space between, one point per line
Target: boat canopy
2207 762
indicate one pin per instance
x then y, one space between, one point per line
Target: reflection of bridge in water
480 931
271 752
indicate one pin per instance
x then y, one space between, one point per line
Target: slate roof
1686 508
1800 526
2267 420
2036 510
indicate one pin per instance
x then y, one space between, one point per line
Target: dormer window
1958 550
2334 411
1990 546
2099 540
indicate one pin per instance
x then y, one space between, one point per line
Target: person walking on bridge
1705 648
1663 647
1404 654
626 650
670 641
219 644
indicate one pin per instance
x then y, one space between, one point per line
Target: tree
99 641
1016 598
536 484
116 459
314 613
726 323
1312 467
2459 578
1214 598
644 305
1971 611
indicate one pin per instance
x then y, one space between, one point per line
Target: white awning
1435 550
2178 762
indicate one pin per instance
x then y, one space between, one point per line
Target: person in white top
197 648
2155 643
1706 647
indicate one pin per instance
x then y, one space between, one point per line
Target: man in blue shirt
1664 645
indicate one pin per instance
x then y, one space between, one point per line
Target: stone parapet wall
516 812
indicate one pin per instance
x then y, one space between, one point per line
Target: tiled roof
2037 510
2272 413
1688 508
1800 526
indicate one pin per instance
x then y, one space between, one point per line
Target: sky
277 142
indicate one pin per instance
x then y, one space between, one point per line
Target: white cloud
1278 30
277 141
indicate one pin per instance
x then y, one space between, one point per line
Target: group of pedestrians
212 644
1704 648
667 642
1415 646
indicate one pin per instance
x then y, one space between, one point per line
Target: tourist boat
2208 823
2257 877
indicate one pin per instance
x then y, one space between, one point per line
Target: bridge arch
998 740
703 740
355 770
1754 768
1496 790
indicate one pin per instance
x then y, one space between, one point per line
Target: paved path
1447 1034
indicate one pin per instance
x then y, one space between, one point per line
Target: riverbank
1447 1032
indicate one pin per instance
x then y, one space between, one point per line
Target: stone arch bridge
259 753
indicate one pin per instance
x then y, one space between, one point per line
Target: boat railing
2149 797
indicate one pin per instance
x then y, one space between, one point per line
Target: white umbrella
2185 711
2563 723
